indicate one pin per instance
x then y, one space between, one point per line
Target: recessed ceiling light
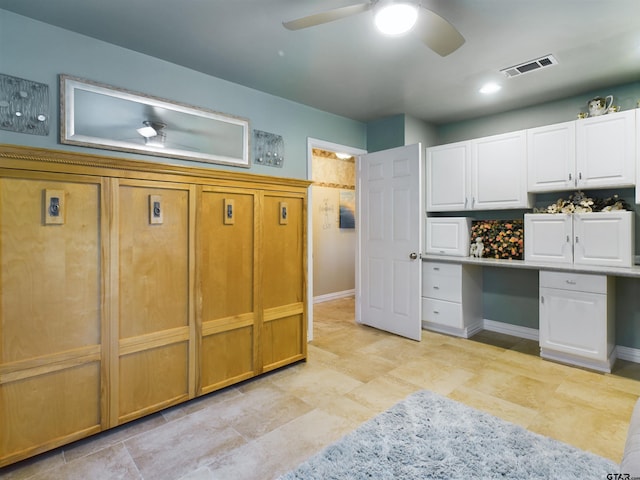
491 87
396 18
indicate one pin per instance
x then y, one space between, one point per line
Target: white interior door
388 265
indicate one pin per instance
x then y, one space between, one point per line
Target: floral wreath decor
578 202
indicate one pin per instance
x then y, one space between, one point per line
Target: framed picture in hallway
347 209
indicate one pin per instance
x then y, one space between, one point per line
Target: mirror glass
101 116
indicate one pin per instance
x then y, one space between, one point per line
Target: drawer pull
436 312
435 287
437 269
570 282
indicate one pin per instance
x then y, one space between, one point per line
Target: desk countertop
633 271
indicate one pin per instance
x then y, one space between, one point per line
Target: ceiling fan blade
438 34
326 17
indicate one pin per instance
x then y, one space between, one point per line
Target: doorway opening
331 223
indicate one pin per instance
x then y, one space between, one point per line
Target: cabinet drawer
579 282
442 312
437 269
443 282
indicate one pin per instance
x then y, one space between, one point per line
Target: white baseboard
514 330
623 353
628 353
334 296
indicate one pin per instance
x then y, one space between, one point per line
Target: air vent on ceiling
530 66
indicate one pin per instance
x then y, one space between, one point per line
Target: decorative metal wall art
268 149
24 105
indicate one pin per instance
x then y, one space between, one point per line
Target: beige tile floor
266 426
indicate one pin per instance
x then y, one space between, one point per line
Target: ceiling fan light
396 18
147 131
157 141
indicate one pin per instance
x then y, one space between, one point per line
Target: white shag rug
428 436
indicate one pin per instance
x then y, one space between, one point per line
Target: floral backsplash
502 239
578 202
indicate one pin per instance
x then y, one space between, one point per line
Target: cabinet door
551 157
283 334
226 281
574 323
499 172
152 328
447 176
448 235
548 238
51 338
603 238
606 150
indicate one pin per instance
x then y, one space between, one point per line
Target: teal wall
385 133
564 110
512 296
39 52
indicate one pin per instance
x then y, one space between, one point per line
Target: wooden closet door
226 280
283 285
51 288
153 307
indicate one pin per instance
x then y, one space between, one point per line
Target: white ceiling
349 69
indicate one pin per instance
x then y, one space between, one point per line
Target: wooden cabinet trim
275 313
14 371
127 346
42 159
218 325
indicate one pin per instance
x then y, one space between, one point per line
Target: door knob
413 256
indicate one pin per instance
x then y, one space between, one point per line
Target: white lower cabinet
600 238
452 298
577 319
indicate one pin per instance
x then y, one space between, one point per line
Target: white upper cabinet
447 175
551 157
606 150
487 173
499 172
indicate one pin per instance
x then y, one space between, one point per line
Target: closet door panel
153 311
226 280
283 282
51 351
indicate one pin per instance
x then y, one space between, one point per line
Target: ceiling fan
434 31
